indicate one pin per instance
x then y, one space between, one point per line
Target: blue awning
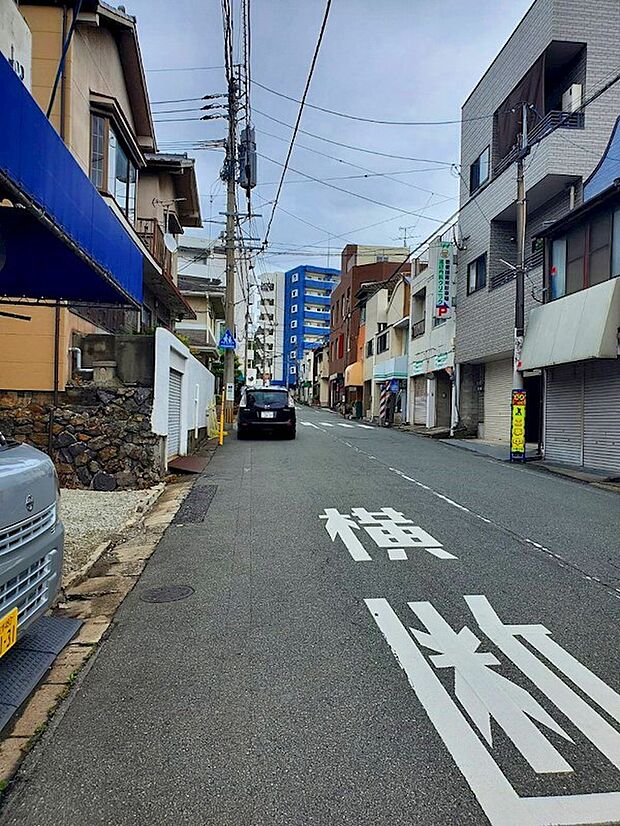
64 242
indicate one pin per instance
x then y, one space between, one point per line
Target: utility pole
230 172
517 381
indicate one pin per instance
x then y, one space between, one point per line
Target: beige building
102 112
386 328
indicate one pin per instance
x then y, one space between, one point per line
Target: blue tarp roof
608 169
68 243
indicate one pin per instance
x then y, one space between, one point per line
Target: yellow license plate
8 631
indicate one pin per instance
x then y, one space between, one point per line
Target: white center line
365 427
342 424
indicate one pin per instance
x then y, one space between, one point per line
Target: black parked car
266 409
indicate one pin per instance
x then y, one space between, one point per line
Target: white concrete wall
16 41
198 387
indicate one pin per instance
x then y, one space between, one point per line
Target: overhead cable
298 120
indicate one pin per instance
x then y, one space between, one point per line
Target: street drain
195 507
166 593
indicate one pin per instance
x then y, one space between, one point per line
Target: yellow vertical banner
517 426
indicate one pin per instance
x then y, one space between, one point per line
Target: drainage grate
196 504
25 665
167 593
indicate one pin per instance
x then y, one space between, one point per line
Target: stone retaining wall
101 437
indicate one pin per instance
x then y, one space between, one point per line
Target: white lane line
342 424
310 424
365 427
326 424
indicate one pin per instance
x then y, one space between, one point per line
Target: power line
374 120
354 148
355 194
299 114
388 175
185 69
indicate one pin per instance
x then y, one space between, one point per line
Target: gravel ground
92 517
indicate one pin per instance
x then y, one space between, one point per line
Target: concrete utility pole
517 381
230 169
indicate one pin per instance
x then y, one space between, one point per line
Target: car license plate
8 631
268 414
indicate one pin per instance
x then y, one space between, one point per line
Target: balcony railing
152 237
503 277
418 328
552 120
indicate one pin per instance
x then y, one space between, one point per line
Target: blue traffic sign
394 386
227 342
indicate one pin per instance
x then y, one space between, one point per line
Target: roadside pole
517 380
231 207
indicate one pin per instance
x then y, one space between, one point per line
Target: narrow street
271 695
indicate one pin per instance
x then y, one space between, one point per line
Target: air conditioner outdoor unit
571 99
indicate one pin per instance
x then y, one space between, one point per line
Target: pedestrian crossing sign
227 341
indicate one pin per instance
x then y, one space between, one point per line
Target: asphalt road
289 688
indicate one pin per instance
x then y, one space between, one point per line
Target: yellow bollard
222 422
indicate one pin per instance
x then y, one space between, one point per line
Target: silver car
31 538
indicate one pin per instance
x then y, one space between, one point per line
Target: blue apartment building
306 315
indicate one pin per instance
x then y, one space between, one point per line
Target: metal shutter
497 395
601 436
174 413
419 400
564 414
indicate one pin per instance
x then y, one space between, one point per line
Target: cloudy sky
402 60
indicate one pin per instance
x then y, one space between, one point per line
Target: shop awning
354 375
578 327
58 239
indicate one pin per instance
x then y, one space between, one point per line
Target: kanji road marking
389 529
485 694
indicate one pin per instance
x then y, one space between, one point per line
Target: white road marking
397 553
326 424
498 799
365 427
343 424
339 524
310 424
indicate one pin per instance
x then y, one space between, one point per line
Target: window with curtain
587 255
477 274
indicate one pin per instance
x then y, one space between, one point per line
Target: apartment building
559 54
306 316
269 338
102 114
359 265
320 375
432 397
385 325
573 336
202 282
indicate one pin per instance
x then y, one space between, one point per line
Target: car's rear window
273 398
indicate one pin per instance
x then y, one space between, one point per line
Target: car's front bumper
30 576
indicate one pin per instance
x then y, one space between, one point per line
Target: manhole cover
167 593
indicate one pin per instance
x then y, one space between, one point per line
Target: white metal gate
174 413
497 395
601 420
419 400
564 414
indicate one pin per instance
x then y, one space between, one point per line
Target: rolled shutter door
419 400
564 415
601 436
497 395
174 413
